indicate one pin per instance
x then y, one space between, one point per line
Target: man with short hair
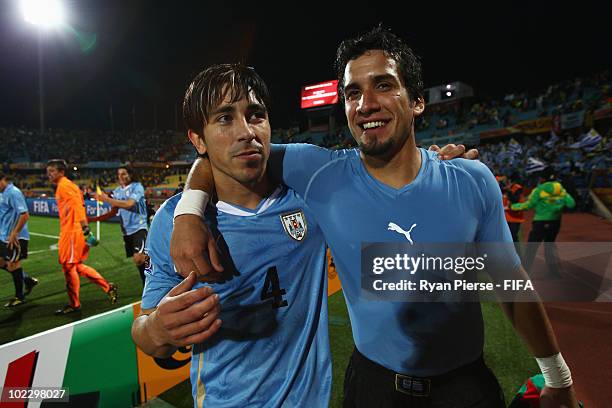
73 249
128 200
273 347
14 238
427 354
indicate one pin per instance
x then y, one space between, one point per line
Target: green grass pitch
504 352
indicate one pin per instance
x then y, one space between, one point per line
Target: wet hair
209 87
59 164
380 38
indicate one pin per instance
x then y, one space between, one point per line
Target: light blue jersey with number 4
273 347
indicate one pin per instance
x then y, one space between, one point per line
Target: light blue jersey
135 218
449 201
12 205
273 347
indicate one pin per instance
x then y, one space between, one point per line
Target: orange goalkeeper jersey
70 205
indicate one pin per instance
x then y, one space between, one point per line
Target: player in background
75 238
14 238
128 200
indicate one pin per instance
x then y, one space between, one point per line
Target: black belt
415 386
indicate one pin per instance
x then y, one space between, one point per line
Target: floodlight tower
45 15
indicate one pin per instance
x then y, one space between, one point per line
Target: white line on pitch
51 248
43 235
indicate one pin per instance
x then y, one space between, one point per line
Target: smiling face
378 107
236 137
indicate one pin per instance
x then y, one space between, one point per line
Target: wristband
192 202
555 371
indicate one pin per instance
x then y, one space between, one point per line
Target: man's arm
531 201
528 318
125 204
531 322
183 317
13 239
113 211
190 237
568 199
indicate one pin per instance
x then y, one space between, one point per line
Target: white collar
233 210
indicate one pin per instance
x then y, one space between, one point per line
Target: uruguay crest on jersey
294 224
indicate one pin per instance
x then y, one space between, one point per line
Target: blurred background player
14 237
74 230
549 199
129 201
512 193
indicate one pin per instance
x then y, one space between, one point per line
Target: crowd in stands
578 167
503 159
565 97
82 146
580 94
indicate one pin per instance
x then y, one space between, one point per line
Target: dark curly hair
206 91
380 38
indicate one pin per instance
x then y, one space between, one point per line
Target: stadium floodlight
43 13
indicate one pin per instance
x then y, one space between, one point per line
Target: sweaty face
124 177
237 140
54 174
378 107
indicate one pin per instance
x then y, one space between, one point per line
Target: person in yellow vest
549 199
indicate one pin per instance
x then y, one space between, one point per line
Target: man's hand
191 239
452 151
558 398
185 316
13 241
100 197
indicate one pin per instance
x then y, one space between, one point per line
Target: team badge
295 224
147 262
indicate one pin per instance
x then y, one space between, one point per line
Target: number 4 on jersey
273 290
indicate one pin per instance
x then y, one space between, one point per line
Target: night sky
146 52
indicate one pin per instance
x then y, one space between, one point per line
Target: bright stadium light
43 13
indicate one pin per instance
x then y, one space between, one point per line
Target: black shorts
15 254
135 243
370 385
